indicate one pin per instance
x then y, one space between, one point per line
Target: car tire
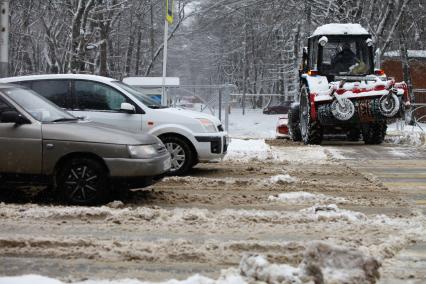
182 156
83 181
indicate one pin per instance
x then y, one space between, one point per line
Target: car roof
9 86
57 76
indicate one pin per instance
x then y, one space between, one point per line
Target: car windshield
146 100
37 106
349 56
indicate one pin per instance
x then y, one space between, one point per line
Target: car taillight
283 129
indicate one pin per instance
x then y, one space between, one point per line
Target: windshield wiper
156 106
64 119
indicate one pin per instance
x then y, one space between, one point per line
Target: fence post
227 100
220 104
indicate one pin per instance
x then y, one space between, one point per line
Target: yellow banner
169 10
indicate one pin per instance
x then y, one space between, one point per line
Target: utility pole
164 93
4 38
168 20
244 63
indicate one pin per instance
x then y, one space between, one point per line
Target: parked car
43 145
190 137
281 130
277 109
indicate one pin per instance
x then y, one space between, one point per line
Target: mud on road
275 205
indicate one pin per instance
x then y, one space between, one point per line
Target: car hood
86 131
189 114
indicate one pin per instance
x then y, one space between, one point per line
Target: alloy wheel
177 154
81 183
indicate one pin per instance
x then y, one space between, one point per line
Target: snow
248 150
333 213
340 29
254 124
152 82
411 53
401 134
282 179
305 197
240 150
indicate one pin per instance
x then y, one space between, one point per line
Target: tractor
341 93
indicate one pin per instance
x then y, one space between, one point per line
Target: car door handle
50 146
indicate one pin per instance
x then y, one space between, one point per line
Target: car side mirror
13 116
128 108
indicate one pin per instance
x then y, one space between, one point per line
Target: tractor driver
345 59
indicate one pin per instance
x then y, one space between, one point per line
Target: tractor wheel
311 131
293 127
354 134
374 134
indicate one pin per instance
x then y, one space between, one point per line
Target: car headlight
208 125
142 151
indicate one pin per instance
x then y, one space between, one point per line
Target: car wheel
83 181
182 157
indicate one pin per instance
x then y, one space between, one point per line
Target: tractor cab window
346 57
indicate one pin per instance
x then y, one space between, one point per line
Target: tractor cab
339 50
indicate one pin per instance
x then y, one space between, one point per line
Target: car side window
96 96
4 107
54 90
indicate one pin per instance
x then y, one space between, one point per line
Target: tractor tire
374 134
293 126
354 135
310 130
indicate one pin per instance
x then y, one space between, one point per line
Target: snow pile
322 263
254 124
340 29
305 197
241 150
333 213
232 278
248 150
401 134
282 179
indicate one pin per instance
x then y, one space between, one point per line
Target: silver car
40 144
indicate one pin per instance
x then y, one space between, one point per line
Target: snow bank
240 150
401 134
333 213
196 279
340 29
321 263
254 124
305 197
248 150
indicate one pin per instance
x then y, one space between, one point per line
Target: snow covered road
285 202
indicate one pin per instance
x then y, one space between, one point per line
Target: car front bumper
211 146
152 167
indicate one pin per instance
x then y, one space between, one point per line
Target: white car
190 137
